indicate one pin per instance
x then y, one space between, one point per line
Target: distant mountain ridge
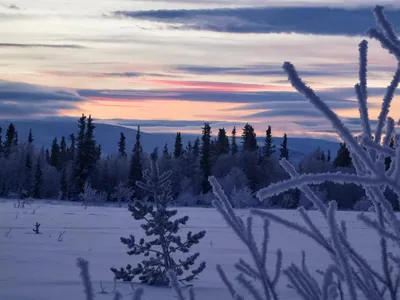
44 131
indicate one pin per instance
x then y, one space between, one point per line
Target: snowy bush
364 204
242 197
158 223
89 195
122 193
205 199
186 198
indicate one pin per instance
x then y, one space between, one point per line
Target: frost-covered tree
122 193
89 195
166 242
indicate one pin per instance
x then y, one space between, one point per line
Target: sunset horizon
189 63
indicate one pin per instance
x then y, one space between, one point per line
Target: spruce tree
98 153
166 154
328 158
30 137
47 156
284 149
1 142
205 159
28 164
55 154
249 138
178 147
135 169
154 154
234 147
28 172
343 158
79 172
105 178
322 157
63 152
37 188
268 148
222 142
91 151
189 147
64 184
196 147
166 242
16 139
11 136
122 145
213 152
72 148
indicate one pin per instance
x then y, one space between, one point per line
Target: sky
172 65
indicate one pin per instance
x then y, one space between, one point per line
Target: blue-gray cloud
160 123
309 20
13 7
18 45
321 70
124 74
310 113
138 74
21 99
321 125
300 104
225 96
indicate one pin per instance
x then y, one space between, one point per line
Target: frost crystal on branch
368 156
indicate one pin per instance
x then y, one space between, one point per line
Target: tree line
74 163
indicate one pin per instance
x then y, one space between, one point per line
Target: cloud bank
21 99
306 20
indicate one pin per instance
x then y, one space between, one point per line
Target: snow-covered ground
39 267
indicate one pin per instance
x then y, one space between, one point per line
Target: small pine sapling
7 234
36 229
158 223
60 236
